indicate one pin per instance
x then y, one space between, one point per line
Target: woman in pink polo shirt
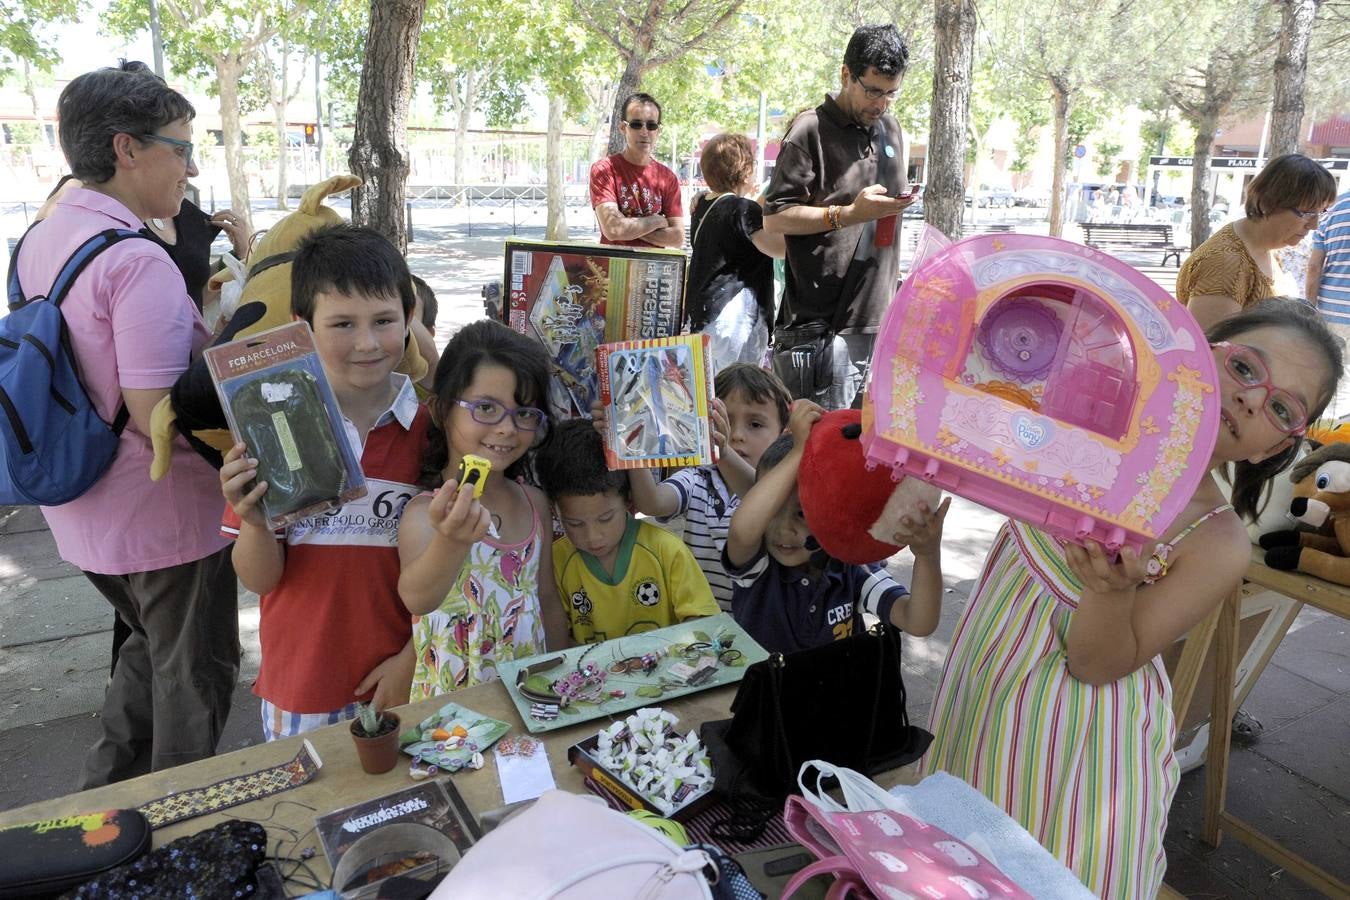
151 548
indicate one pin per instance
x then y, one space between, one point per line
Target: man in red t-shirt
637 199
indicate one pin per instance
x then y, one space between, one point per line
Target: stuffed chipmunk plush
854 508
1322 503
192 407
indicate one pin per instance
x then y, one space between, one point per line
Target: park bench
1001 228
1132 236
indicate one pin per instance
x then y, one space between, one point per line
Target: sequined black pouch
220 862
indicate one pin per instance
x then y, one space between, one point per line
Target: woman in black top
187 236
730 290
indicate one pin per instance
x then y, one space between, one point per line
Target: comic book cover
575 297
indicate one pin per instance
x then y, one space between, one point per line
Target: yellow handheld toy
473 472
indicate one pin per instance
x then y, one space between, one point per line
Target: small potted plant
376 736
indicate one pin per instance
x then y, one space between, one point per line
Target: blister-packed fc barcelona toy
657 399
279 404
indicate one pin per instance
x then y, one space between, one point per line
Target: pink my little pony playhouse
1048 381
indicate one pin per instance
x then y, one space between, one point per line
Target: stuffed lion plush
192 407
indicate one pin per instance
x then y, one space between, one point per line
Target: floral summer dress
491 613
1089 771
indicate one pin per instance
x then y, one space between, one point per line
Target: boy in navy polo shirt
789 595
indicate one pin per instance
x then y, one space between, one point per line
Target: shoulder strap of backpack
83 255
276 259
14 291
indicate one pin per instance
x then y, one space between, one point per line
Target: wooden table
341 782
1333 598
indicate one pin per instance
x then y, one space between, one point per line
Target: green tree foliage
1107 158
24 35
647 34
1078 54
790 52
1221 73
217 40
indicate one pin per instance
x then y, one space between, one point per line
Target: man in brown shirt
826 196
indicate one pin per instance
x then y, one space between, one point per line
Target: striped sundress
1088 771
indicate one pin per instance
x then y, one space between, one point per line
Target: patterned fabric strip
234 791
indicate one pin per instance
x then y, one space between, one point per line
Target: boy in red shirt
333 630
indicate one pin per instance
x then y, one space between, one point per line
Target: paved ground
1295 782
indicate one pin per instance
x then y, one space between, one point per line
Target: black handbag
803 357
843 702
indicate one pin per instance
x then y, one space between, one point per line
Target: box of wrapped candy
647 764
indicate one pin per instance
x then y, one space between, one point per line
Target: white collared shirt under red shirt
336 614
650 190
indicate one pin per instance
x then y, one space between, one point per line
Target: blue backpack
53 443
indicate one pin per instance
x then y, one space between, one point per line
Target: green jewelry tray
607 653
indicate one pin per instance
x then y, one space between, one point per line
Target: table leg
1191 663
1221 717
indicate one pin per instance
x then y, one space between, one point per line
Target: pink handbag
884 853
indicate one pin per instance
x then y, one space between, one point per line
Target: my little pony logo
1031 432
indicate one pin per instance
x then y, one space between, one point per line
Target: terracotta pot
378 754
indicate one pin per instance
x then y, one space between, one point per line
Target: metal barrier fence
460 209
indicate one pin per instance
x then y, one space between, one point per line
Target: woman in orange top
1237 266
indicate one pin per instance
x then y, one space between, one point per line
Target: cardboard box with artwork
573 297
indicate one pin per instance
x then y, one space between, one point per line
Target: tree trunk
953 56
557 203
603 106
1206 129
279 121
628 84
1062 99
279 111
463 112
31 91
378 155
1291 71
228 69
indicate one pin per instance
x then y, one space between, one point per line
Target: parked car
991 196
1033 197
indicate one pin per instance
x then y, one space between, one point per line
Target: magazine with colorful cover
573 297
658 397
434 802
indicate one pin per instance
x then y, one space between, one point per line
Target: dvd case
435 802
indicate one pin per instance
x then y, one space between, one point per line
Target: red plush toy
854 510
